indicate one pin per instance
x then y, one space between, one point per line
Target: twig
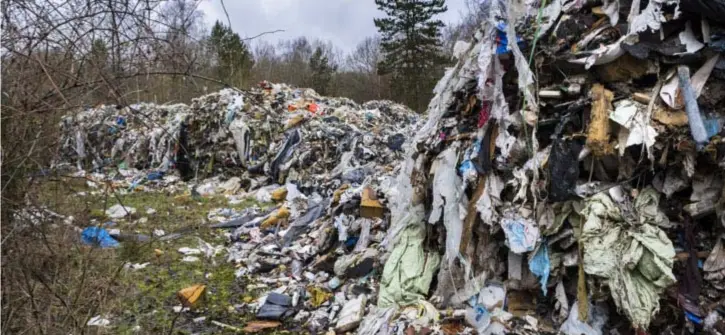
229 22
173 322
30 152
264 33
224 325
52 82
227 14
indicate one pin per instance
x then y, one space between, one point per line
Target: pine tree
234 61
412 47
321 71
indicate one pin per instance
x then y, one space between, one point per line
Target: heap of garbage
313 166
272 133
569 177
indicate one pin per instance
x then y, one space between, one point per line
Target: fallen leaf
190 295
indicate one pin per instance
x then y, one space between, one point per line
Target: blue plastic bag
502 41
540 265
155 175
98 237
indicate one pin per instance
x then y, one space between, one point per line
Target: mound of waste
273 131
317 167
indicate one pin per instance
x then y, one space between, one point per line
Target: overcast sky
344 22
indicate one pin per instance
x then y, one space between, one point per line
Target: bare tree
361 79
266 61
366 56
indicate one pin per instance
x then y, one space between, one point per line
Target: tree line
161 51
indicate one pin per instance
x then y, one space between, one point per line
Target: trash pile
569 177
308 244
274 131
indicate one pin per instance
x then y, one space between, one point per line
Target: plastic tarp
449 200
409 270
97 236
635 255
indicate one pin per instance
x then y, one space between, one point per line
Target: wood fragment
599 129
472 215
641 97
670 117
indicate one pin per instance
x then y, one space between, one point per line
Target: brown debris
623 69
370 206
279 194
641 97
599 128
472 215
670 117
257 326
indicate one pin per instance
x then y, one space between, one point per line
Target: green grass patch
143 300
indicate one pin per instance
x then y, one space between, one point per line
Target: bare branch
264 33
229 22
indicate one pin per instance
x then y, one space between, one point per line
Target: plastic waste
409 270
697 127
356 265
597 318
351 314
155 175
540 266
334 283
97 236
314 211
98 321
192 295
119 211
634 260
448 200
276 307
521 234
478 317
395 142
563 169
515 174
